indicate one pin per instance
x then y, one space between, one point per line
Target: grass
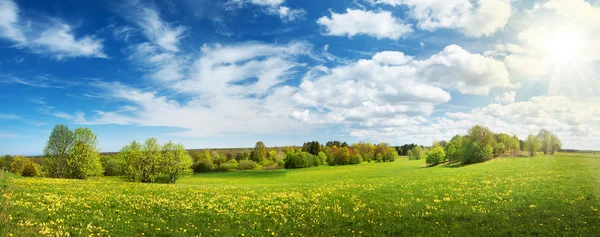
544 195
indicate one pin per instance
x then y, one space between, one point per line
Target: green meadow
543 195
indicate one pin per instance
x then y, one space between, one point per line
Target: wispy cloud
54 38
9 116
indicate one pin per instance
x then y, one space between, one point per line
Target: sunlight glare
563 47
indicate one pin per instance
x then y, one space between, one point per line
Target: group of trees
72 154
480 144
151 162
545 141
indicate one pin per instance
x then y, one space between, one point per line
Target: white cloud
9 22
506 98
271 7
379 24
158 31
236 89
60 42
469 73
55 39
9 116
392 58
474 18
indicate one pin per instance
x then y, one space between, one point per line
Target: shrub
378 157
355 159
316 162
435 155
322 157
391 155
341 156
273 166
203 165
222 168
247 165
113 167
30 169
417 153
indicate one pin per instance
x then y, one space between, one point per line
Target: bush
203 165
222 168
355 159
322 157
273 166
341 156
247 165
417 153
113 167
30 169
435 155
378 157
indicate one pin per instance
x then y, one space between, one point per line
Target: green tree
453 147
84 158
532 145
56 152
5 162
175 161
477 145
435 155
549 143
134 161
260 152
417 153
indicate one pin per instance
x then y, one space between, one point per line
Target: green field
545 195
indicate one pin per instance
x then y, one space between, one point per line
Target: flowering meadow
543 195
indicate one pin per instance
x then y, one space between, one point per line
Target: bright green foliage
16 167
208 156
502 143
477 145
341 156
514 146
56 152
391 155
24 167
322 158
435 155
72 154
417 153
453 147
152 162
203 165
260 152
247 165
379 157
365 149
532 145
355 159
174 162
84 156
112 165
301 160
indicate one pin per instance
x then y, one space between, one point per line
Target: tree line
74 154
481 144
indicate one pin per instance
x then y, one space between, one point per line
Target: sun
562 47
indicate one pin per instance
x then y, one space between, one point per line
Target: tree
84 157
5 162
313 147
435 155
453 147
151 162
341 156
548 141
260 152
365 149
175 161
514 145
477 145
417 153
56 152
24 167
532 145
391 155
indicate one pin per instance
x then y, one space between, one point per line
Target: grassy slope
556 195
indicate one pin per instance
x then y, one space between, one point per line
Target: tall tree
56 152
548 141
84 156
260 152
532 144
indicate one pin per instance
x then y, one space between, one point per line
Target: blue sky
228 73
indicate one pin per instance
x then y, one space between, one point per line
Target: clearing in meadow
543 195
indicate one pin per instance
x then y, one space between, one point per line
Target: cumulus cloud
469 73
506 98
55 38
474 18
379 24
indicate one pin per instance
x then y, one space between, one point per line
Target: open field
544 195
